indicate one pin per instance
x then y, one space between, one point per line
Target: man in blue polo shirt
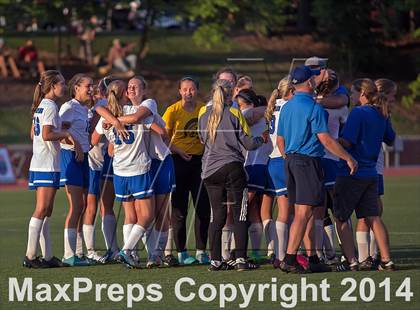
302 136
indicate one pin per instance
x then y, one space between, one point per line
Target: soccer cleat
93 256
108 257
388 266
345 266
319 267
203 258
76 261
170 261
331 260
218 266
303 261
366 265
35 263
295 268
242 265
277 263
153 262
55 262
375 263
231 263
185 259
135 256
127 260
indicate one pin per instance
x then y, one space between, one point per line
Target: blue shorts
73 172
163 175
43 179
276 177
137 187
381 189
94 181
330 172
257 177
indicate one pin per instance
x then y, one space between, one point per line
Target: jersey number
37 126
272 124
130 138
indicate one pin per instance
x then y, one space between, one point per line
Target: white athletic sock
319 237
169 242
109 231
282 230
255 233
136 234
373 247
70 240
162 240
269 233
89 237
126 231
45 241
226 241
198 252
79 243
362 239
34 230
329 246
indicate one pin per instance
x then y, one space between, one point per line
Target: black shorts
305 180
354 194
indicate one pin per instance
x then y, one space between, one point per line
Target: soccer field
401 214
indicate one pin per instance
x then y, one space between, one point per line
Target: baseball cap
302 73
316 62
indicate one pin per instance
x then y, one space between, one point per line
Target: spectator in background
120 59
28 59
6 59
86 36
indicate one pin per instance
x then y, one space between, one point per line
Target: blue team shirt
301 119
366 129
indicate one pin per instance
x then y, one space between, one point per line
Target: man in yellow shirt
181 122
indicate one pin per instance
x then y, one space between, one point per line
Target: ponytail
284 88
380 101
374 97
115 93
221 89
48 79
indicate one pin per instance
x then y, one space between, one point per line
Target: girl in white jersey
101 188
276 232
75 171
162 168
131 165
44 171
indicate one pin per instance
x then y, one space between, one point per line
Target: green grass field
402 214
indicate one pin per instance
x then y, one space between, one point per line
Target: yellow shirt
183 125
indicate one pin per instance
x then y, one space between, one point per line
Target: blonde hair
374 97
221 90
283 89
243 81
386 86
48 79
115 93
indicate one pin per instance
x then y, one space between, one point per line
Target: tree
216 18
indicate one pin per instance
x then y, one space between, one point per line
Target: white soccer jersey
273 128
77 115
260 155
156 147
46 154
335 117
97 152
130 155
